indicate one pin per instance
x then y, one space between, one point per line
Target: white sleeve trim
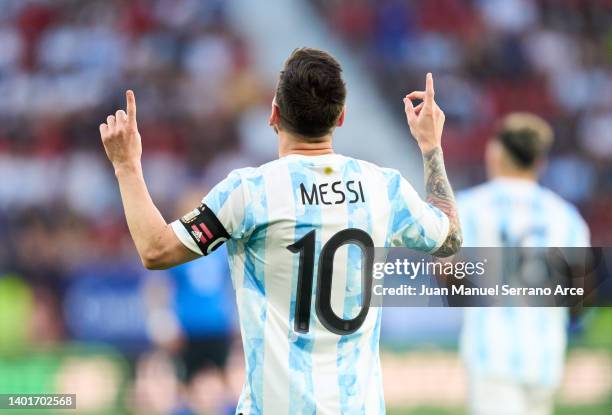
183 236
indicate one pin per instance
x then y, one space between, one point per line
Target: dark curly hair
310 93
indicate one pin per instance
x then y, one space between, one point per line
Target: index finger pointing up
131 106
429 90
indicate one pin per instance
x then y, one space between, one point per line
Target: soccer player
310 346
515 356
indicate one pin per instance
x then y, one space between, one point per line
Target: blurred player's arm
426 122
155 241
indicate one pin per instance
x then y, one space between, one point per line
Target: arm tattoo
440 195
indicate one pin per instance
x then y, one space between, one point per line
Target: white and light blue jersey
526 345
308 368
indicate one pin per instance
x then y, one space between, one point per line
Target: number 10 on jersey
306 248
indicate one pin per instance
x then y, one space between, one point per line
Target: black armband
205 229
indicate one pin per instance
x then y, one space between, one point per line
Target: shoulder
392 178
388 180
556 204
562 213
369 167
242 178
244 173
234 186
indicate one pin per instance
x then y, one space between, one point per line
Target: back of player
298 233
280 217
514 356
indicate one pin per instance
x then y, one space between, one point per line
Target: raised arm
426 122
155 240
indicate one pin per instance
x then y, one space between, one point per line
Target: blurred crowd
64 66
68 271
67 265
490 57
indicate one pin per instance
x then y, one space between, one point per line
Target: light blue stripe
351 391
253 312
301 388
392 191
232 243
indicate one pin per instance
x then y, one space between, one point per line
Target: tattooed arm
440 195
426 122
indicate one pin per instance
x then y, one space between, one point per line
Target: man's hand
426 120
120 135
155 240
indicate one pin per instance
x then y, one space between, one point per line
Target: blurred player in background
515 356
277 219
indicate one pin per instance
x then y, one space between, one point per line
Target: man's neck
288 144
527 175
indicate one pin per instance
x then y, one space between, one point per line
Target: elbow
458 242
153 259
455 241
153 266
451 245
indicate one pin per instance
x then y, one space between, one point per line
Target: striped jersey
280 218
522 344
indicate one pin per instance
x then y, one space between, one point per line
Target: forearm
146 224
440 194
155 240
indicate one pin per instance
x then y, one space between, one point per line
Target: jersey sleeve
219 217
415 224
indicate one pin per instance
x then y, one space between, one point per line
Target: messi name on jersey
333 193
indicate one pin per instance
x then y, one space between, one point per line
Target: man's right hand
426 120
156 242
120 135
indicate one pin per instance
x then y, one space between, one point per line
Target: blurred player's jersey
267 209
203 297
522 344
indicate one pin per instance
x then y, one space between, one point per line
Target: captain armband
205 229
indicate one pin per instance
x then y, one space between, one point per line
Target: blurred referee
515 356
